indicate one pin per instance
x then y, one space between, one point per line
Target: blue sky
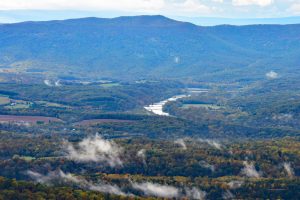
23 10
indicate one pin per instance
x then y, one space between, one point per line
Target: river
157 108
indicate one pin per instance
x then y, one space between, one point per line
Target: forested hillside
147 46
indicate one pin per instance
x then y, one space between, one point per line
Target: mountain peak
147 20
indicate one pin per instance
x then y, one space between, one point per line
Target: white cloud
179 8
192 6
228 195
154 189
51 84
250 171
148 188
261 3
166 191
94 149
188 7
235 184
181 143
195 193
122 5
205 164
106 188
45 179
57 83
283 117
59 176
272 75
289 170
177 59
142 154
295 8
48 83
211 142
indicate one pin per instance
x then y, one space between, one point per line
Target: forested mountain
148 46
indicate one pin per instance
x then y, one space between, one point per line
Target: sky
23 10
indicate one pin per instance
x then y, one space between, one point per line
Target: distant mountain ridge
213 21
149 47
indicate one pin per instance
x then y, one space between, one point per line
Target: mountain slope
148 46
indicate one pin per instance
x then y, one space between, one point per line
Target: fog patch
283 117
235 184
195 193
107 188
228 195
272 75
142 154
94 149
44 179
206 165
289 170
51 84
181 143
61 177
158 190
250 171
212 143
57 83
48 83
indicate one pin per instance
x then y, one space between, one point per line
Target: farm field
27 119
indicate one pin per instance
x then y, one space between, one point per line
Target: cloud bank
172 8
149 6
154 189
61 177
261 3
295 8
148 188
166 191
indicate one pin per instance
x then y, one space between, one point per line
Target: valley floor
100 143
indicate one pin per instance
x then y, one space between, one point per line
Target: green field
107 85
51 104
18 105
4 100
